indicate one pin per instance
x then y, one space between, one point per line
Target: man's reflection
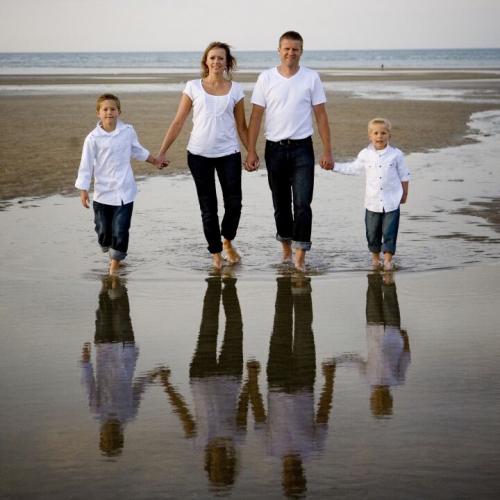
220 402
388 355
114 395
294 431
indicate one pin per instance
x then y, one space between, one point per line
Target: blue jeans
290 173
382 227
228 170
112 224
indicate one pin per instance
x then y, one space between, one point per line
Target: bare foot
388 262
232 256
300 260
287 252
375 260
217 261
114 267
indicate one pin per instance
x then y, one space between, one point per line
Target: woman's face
216 60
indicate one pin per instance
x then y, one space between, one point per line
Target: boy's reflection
388 346
113 394
293 430
215 383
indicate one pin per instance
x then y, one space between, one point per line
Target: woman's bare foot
114 267
232 256
287 252
217 261
300 260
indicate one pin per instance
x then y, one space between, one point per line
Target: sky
176 25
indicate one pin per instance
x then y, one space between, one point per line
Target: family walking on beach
288 95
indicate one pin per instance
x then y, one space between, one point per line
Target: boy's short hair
380 121
291 35
107 97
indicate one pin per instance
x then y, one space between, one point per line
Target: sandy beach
41 136
395 370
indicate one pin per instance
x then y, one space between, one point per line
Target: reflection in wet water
388 345
113 393
293 430
215 382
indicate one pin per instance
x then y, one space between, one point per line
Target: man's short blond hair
380 121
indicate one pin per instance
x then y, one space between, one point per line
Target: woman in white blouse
218 113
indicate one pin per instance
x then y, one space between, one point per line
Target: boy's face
379 135
108 114
290 52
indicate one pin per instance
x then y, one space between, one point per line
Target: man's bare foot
114 266
388 262
217 261
231 255
300 260
287 252
376 261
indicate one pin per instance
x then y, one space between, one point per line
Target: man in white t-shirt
289 94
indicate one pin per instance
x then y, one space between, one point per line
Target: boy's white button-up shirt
385 170
106 156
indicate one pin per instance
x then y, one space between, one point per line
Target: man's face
290 52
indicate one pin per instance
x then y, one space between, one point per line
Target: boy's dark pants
382 227
112 224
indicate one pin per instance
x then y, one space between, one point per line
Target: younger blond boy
106 156
387 180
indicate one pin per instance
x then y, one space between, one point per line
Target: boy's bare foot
287 252
114 267
300 260
217 261
232 256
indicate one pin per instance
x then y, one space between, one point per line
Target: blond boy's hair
107 97
380 121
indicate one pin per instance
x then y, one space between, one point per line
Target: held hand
327 161
252 162
161 162
84 198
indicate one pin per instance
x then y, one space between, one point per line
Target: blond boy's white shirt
106 157
385 170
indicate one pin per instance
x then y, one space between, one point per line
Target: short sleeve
258 95
237 91
318 93
189 89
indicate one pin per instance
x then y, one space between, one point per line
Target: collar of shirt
119 127
380 152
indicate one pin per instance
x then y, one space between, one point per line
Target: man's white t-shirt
214 128
288 102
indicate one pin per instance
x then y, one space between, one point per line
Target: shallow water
172 382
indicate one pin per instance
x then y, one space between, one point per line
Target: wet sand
41 136
54 302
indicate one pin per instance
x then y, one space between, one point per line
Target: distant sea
171 62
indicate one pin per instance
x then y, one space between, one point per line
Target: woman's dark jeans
290 172
112 224
228 170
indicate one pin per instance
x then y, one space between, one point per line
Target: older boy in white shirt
387 179
106 156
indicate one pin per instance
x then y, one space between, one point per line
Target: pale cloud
141 25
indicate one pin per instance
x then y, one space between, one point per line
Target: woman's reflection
114 395
294 431
388 355
221 403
